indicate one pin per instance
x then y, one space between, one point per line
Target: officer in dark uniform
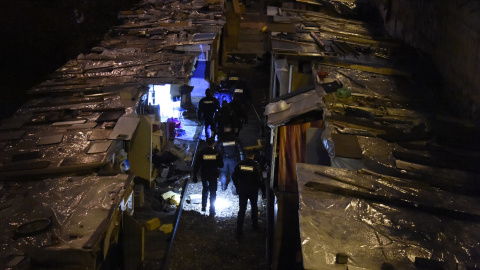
261 159
208 160
207 107
247 178
240 113
234 85
232 150
225 120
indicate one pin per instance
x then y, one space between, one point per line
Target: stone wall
448 31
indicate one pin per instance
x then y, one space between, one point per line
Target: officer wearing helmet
207 106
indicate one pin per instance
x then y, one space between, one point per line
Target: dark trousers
209 186
209 127
226 172
243 200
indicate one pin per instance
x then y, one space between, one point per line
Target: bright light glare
222 203
163 98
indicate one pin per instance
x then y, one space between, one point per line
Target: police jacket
247 176
208 161
207 107
231 147
241 89
240 112
225 120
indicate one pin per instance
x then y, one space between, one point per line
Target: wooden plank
282 27
133 244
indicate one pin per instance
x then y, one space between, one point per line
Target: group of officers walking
225 158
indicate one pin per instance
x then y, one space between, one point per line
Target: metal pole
290 78
273 76
178 214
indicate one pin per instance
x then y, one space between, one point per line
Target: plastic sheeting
281 71
77 206
377 153
296 105
297 47
393 232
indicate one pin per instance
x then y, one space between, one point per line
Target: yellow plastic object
172 197
152 224
166 228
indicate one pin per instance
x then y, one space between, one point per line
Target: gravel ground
201 241
205 242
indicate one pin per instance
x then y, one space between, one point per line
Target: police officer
234 85
208 160
232 150
240 113
207 106
240 88
261 159
247 178
225 120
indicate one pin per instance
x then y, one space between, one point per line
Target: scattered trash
166 228
194 198
172 197
152 224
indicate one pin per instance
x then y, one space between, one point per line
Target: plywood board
99 134
69 123
140 149
52 139
88 125
79 160
98 147
347 146
124 128
109 116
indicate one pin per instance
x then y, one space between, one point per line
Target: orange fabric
292 150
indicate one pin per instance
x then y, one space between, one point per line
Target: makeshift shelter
379 118
71 152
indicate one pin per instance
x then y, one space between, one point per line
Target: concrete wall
449 32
